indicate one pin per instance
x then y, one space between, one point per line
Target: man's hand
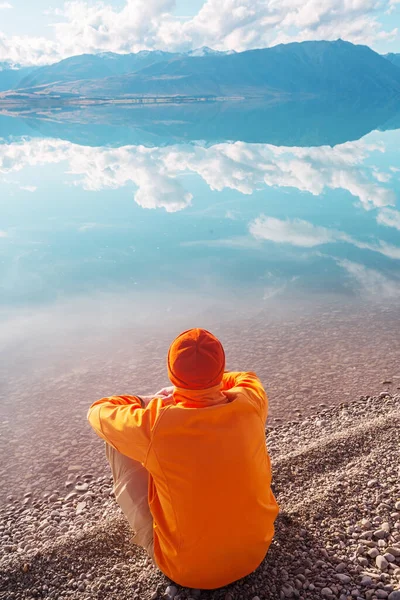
165 393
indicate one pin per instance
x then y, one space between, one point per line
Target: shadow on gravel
103 564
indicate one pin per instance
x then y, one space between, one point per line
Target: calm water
216 218
279 230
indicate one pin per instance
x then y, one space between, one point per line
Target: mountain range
318 68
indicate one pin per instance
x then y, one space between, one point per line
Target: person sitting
190 466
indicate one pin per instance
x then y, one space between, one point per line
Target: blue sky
45 31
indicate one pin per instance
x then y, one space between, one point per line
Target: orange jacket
210 475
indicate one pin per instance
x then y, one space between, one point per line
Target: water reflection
242 204
281 121
257 218
115 236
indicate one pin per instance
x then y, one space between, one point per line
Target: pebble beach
336 475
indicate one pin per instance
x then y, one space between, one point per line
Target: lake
276 227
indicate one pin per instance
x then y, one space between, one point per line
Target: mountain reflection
281 122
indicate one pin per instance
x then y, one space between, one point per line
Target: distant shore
336 477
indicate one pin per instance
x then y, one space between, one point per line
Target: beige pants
131 492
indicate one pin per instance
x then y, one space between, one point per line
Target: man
190 466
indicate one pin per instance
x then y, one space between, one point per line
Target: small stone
69 496
80 507
288 591
366 524
380 533
393 550
389 557
82 487
343 577
366 535
256 598
372 483
373 552
53 498
395 595
381 594
397 507
171 592
326 591
25 568
381 563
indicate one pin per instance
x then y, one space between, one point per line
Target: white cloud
248 167
372 283
27 50
5 5
295 232
381 176
81 27
100 168
239 166
389 217
238 242
3 234
28 188
306 235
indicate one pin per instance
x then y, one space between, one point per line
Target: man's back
210 491
191 470
210 475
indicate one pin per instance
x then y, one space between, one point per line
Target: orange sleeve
249 382
124 424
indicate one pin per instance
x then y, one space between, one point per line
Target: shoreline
336 478
52 373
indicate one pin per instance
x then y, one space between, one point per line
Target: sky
45 31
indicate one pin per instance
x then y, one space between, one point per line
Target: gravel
337 480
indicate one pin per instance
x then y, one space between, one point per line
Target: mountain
11 75
105 64
206 51
93 66
311 68
394 58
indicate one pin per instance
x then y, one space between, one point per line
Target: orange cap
196 360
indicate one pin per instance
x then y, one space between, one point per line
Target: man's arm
125 423
234 381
